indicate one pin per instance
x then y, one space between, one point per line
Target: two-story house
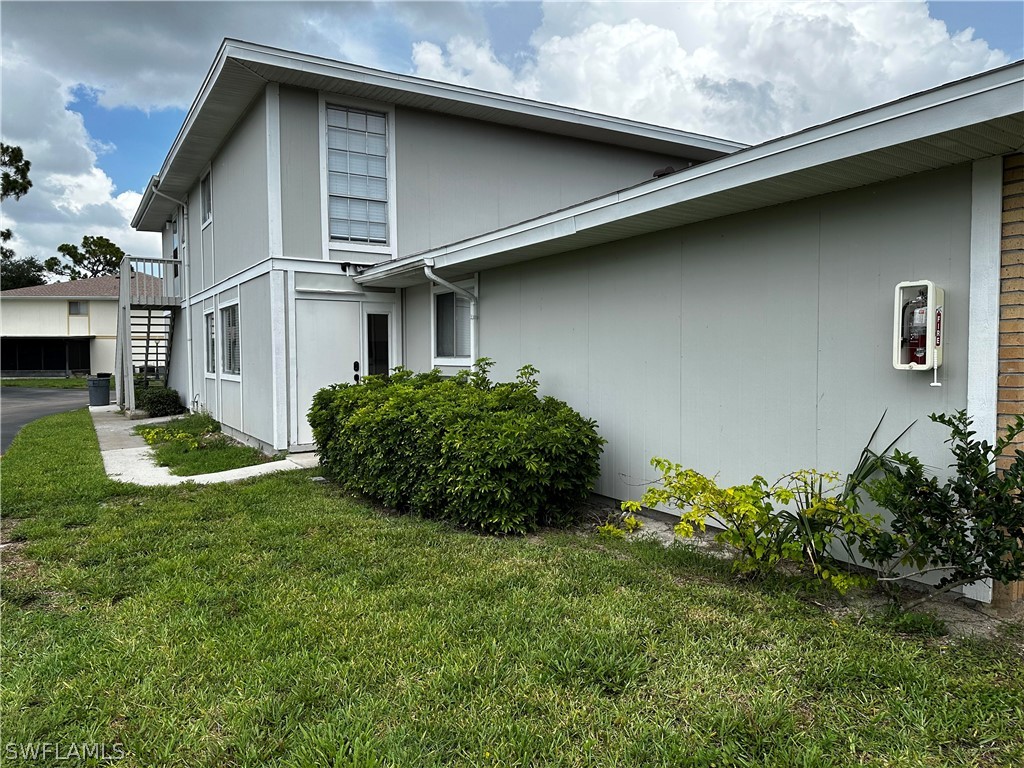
730 307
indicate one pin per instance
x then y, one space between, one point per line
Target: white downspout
474 308
186 263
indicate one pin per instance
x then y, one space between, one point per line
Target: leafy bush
491 456
159 401
968 528
618 526
797 518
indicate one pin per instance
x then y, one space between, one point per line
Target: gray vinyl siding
231 405
199 359
416 331
755 344
241 235
257 392
178 373
457 178
302 236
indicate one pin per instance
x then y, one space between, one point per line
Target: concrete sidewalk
127 458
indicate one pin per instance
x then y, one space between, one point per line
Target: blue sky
95 92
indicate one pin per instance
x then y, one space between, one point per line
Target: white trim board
983 322
274 216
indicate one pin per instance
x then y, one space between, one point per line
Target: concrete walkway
127 458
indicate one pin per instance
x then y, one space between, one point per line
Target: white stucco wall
47 317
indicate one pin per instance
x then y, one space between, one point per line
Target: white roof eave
240 60
986 97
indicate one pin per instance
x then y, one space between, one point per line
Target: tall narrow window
206 199
451 326
230 342
357 179
211 344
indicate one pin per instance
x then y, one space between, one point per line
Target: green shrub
491 456
966 528
796 519
159 401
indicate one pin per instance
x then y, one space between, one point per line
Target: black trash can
99 390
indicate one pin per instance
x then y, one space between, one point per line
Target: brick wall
1011 325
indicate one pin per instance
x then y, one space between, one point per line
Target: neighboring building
735 315
60 329
69 328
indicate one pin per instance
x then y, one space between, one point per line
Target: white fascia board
197 105
429 88
186 127
57 298
985 97
250 52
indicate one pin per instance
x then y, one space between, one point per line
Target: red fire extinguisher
915 328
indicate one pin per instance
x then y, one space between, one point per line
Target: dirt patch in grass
13 564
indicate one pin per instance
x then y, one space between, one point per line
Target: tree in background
19 273
16 182
97 256
15 272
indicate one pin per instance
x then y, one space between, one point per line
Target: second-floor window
357 178
80 308
206 199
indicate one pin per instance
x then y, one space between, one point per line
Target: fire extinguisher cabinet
918 326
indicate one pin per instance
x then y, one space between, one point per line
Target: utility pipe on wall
474 313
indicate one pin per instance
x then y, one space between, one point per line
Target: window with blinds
357 179
451 326
230 342
211 344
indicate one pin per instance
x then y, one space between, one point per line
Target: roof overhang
4 297
241 71
978 117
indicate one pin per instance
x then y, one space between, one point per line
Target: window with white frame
211 343
357 175
452 326
79 308
231 347
206 199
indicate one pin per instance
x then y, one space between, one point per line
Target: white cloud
70 196
745 71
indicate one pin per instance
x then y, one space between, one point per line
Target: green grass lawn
279 622
75 382
204 449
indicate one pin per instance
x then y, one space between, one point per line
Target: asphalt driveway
20 405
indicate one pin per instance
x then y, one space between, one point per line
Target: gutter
474 308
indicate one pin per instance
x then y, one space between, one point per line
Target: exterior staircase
149 297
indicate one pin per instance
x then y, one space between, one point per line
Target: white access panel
326 346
